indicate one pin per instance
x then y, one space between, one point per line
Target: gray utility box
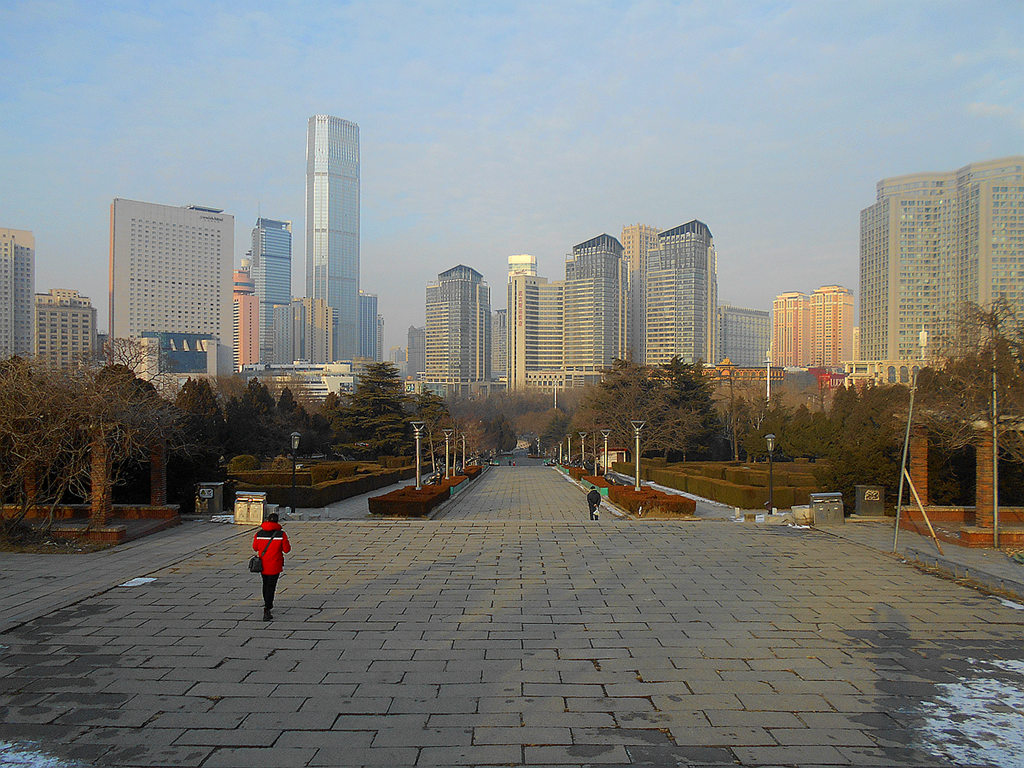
250 507
209 498
827 508
870 500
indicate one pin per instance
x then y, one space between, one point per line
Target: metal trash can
250 507
870 500
209 498
827 508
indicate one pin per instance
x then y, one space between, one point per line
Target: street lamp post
637 426
447 436
417 427
604 434
463 452
583 450
770 439
295 436
568 449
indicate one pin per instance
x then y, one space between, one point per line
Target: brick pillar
158 475
919 464
100 494
983 480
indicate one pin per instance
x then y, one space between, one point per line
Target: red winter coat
273 561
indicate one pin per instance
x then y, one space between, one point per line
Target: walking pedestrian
272 542
594 502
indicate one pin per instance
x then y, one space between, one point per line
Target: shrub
281 463
652 501
600 482
322 494
271 477
408 502
332 470
242 463
394 462
577 472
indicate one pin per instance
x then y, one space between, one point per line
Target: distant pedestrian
594 502
272 542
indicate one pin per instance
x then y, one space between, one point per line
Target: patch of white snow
1011 604
138 581
24 756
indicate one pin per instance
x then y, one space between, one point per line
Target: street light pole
568 449
770 439
463 452
604 434
447 436
583 450
637 426
295 437
417 427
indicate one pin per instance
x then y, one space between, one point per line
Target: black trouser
269 585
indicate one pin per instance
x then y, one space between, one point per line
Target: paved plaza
511 630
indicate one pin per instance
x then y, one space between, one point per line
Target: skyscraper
303 330
637 240
743 335
368 326
596 306
17 288
458 330
681 295
791 329
170 273
930 243
499 344
536 342
332 225
522 264
415 355
246 318
831 326
271 271
65 328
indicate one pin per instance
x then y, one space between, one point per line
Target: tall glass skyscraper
271 272
332 225
368 325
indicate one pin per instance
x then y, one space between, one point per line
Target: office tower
332 225
522 264
368 326
379 351
831 326
744 335
246 318
170 273
17 288
65 328
303 330
416 352
930 243
458 330
596 308
535 333
637 240
681 295
856 342
499 344
791 329
396 356
271 272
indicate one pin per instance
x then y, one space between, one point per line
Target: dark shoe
267 615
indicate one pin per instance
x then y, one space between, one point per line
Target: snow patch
222 519
23 756
1011 604
138 581
979 720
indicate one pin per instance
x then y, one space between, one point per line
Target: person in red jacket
272 538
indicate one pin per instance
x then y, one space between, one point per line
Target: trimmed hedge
600 482
577 473
273 477
408 502
332 470
243 463
652 501
322 494
395 462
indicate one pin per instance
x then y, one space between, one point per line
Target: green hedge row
322 494
273 477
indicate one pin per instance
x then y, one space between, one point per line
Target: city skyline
791 116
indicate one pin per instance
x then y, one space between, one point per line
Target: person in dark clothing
272 538
594 502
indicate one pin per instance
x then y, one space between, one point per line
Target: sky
497 128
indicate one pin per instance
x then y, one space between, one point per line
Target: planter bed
654 503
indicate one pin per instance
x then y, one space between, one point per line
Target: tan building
303 330
245 317
17 287
930 243
522 264
535 332
831 326
637 241
65 328
791 330
596 307
458 331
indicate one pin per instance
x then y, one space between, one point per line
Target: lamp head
295 440
605 433
417 425
638 425
770 439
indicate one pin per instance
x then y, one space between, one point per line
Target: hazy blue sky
497 128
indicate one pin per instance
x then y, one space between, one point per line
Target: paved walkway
539 638
534 492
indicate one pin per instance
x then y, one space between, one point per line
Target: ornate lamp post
447 437
417 427
463 451
295 436
637 426
568 449
583 449
770 439
604 434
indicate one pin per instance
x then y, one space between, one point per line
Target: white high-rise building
332 225
17 292
65 328
171 273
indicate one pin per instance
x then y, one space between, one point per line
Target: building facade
535 333
831 326
596 330
499 345
303 330
637 241
271 272
246 318
416 352
332 225
744 335
368 326
65 328
458 330
171 273
791 329
932 242
681 296
522 264
17 291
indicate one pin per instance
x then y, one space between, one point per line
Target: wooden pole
923 513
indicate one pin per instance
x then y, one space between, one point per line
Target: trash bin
870 500
250 507
827 508
209 498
